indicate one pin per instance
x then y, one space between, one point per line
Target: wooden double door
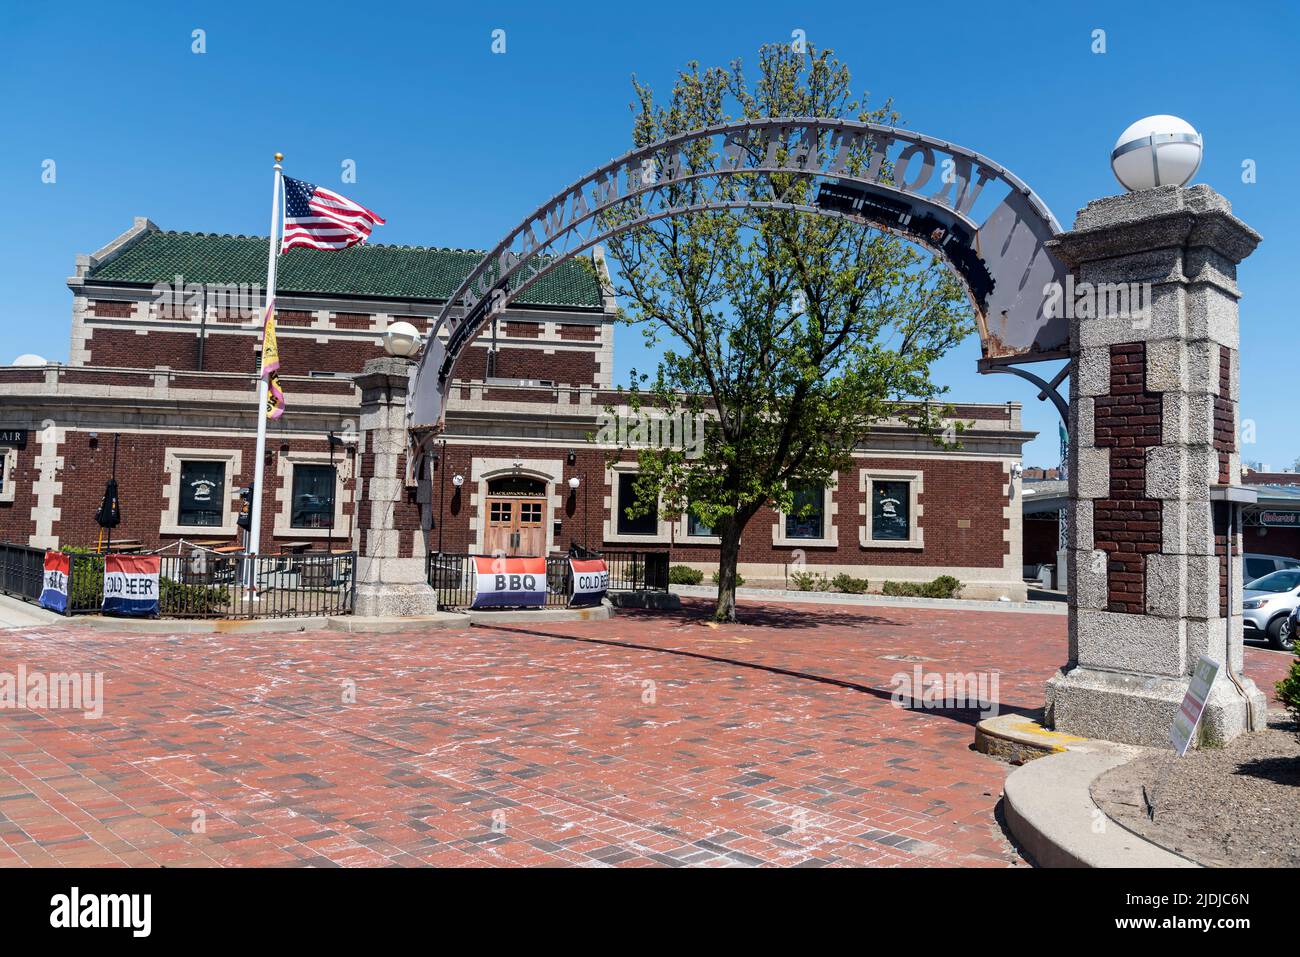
516 525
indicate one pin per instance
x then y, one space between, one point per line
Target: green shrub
945 586
86 578
684 575
740 579
849 585
809 581
1288 689
176 598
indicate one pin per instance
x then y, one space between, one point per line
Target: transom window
516 485
202 494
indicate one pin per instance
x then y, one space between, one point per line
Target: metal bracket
1047 390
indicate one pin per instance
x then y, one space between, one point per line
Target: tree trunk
728 556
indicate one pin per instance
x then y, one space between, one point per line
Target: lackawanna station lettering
174 381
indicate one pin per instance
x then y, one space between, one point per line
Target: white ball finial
1157 150
402 339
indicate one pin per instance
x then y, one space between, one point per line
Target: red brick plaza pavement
650 739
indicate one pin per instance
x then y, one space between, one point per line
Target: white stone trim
284 466
8 466
611 504
482 470
830 532
47 488
169 524
916 485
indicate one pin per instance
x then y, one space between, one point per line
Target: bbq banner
509 582
590 581
131 584
54 586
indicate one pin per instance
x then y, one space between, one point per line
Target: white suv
1266 607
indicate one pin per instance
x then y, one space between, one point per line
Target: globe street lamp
402 340
1155 151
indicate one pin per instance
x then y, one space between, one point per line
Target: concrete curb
1020 739
194 626
516 616
1050 812
361 624
840 598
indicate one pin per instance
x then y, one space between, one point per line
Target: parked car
1257 566
1267 605
1288 633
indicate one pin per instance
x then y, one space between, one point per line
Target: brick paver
647 740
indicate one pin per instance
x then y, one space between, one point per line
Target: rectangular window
696 528
647 524
891 505
313 496
203 494
807 518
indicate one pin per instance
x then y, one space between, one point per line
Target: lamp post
574 482
335 442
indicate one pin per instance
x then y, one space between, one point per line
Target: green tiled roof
386 272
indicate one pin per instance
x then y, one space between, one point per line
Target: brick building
165 344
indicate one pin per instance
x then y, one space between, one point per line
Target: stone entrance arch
986 222
1155 563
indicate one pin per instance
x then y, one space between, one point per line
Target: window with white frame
202 501
890 510
811 519
620 527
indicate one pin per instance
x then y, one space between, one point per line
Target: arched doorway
514 513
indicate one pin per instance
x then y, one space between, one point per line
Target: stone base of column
1140 709
393 588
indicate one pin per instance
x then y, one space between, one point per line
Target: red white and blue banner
509 582
589 581
54 586
131 584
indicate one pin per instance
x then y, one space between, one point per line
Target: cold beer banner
54 587
590 581
131 584
509 582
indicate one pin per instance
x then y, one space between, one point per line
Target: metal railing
203 584
452 575
22 571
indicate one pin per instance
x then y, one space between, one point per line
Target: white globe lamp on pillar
402 340
1155 151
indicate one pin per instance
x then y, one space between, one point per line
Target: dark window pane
313 496
890 511
694 526
806 518
203 493
642 525
516 485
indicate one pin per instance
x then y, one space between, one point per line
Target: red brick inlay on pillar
1127 525
1225 431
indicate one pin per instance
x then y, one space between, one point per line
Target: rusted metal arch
1022 220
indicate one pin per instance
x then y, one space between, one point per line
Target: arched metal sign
926 190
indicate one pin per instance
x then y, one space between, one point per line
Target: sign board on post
509 582
131 584
1189 712
589 582
54 586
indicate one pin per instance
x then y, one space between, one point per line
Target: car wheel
1280 636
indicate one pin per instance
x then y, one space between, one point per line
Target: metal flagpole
273 251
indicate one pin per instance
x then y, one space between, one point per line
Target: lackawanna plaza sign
988 224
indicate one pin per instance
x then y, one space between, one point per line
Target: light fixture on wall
458 480
573 458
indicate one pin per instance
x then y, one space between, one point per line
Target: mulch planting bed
1237 806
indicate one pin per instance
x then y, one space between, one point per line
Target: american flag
322 219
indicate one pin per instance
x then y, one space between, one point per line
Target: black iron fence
22 570
203 584
452 576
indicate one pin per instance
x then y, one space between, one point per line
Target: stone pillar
391 576
1153 457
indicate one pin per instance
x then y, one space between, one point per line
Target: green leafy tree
795 334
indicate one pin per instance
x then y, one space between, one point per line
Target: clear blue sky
455 144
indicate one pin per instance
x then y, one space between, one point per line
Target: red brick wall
954 490
141 481
1127 525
